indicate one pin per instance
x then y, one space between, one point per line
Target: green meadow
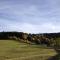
14 50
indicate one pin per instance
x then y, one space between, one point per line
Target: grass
13 50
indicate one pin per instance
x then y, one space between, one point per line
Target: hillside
24 46
13 50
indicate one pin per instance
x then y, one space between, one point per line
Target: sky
31 16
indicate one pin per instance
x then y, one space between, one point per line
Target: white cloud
29 28
32 17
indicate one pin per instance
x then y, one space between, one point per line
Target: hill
13 50
24 46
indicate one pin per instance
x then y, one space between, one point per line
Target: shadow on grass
56 57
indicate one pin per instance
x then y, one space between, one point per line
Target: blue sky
32 16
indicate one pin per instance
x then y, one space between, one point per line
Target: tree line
48 39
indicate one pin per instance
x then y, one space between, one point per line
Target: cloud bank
32 16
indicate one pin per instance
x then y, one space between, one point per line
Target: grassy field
13 50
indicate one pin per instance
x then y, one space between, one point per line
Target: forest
48 39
